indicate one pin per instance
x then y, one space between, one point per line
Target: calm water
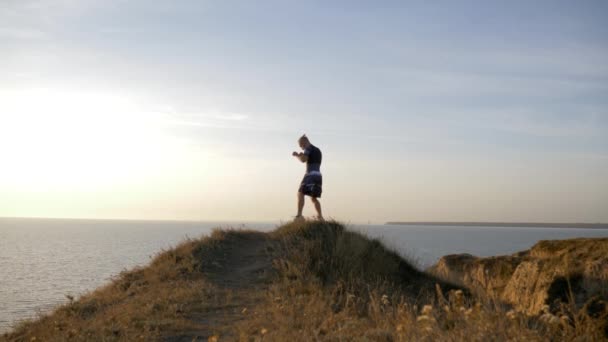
42 261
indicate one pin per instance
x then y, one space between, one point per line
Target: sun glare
52 138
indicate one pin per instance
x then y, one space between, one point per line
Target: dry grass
337 285
142 304
328 284
307 311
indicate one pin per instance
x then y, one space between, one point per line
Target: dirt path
241 273
246 262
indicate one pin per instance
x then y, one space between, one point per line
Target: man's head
303 141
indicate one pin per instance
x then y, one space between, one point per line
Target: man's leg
318 207
300 203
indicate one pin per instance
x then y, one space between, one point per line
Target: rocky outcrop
551 272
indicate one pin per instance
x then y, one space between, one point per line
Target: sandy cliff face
544 275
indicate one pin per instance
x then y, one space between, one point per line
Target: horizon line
279 220
504 224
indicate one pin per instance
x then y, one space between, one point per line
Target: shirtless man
313 180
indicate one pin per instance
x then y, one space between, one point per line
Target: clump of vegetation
339 285
145 303
304 281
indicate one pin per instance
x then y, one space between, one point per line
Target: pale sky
443 110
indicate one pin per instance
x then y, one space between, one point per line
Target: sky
190 110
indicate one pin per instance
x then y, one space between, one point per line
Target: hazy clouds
513 94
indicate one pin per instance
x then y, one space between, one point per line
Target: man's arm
301 156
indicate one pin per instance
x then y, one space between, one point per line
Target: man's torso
314 159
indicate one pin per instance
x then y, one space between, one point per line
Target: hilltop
303 281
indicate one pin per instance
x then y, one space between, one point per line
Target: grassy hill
303 281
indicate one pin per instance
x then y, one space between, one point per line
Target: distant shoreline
505 224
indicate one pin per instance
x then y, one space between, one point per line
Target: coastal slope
303 281
545 277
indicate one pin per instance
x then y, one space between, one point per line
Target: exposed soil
242 270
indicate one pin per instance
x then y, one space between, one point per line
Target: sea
42 261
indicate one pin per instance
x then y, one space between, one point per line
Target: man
313 180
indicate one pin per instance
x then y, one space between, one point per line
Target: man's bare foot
320 218
298 218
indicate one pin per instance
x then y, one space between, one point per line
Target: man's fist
295 154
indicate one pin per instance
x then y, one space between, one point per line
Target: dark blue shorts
312 185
